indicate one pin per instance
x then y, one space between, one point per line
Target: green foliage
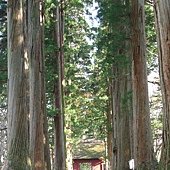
80 100
152 63
3 49
85 166
3 80
151 42
113 37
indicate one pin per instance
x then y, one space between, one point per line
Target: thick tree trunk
121 141
120 92
143 151
59 150
162 15
17 88
37 100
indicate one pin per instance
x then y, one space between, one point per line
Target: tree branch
5 128
154 82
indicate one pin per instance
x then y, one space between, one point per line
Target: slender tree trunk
37 100
109 130
162 15
17 88
59 151
68 130
47 158
143 149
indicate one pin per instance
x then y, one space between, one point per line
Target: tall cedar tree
17 87
162 14
36 81
59 150
143 151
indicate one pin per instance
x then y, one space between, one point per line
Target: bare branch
154 82
2 129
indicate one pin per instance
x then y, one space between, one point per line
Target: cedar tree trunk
143 149
17 88
162 15
37 100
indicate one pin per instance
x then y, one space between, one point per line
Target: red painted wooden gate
93 164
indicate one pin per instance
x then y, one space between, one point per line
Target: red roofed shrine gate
89 164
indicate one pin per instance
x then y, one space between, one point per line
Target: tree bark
37 100
120 92
17 88
109 129
59 150
121 114
47 158
68 131
143 150
162 15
